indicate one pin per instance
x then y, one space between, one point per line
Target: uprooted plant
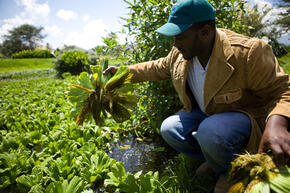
97 94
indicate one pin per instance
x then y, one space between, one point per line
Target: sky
71 22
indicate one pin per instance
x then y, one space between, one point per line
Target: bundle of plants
97 95
258 173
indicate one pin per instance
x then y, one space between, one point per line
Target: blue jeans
216 138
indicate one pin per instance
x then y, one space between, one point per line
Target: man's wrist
277 121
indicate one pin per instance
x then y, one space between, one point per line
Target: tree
284 20
112 45
24 37
252 17
257 26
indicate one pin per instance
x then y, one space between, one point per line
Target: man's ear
204 32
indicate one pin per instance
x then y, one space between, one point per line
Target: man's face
188 43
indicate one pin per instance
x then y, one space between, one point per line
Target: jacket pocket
228 96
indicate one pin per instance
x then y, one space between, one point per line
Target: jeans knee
167 127
208 138
228 131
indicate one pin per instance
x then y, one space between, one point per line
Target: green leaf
119 79
118 170
36 189
76 95
119 113
95 69
127 100
117 175
5 180
280 183
75 185
146 182
260 187
85 81
158 149
129 185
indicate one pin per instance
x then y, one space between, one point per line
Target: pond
146 155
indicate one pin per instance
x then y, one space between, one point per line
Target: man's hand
112 70
277 138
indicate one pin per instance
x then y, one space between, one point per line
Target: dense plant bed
43 150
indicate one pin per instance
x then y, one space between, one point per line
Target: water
147 155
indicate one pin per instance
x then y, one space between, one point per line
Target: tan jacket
243 75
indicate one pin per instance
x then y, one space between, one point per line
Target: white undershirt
196 78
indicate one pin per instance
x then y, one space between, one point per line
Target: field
16 65
43 150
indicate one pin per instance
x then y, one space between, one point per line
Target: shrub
33 54
74 62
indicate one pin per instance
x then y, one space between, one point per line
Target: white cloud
90 36
66 14
18 20
4 30
86 18
53 30
34 10
32 13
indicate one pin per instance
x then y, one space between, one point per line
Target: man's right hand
277 138
112 70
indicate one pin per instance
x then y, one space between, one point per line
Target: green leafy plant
96 167
33 54
12 165
127 182
96 94
75 185
31 182
72 61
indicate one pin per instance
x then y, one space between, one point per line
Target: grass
17 65
284 61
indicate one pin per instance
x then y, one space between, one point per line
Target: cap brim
171 29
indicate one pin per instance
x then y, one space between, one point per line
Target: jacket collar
219 70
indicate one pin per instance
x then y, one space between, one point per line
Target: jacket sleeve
267 80
153 70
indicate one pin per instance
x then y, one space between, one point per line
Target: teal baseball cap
185 13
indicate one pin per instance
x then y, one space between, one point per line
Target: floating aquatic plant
97 94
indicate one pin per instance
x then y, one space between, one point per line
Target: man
235 95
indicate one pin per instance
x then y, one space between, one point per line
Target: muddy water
147 155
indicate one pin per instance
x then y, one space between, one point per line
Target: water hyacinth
257 173
97 94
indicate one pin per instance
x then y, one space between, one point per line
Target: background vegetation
24 37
